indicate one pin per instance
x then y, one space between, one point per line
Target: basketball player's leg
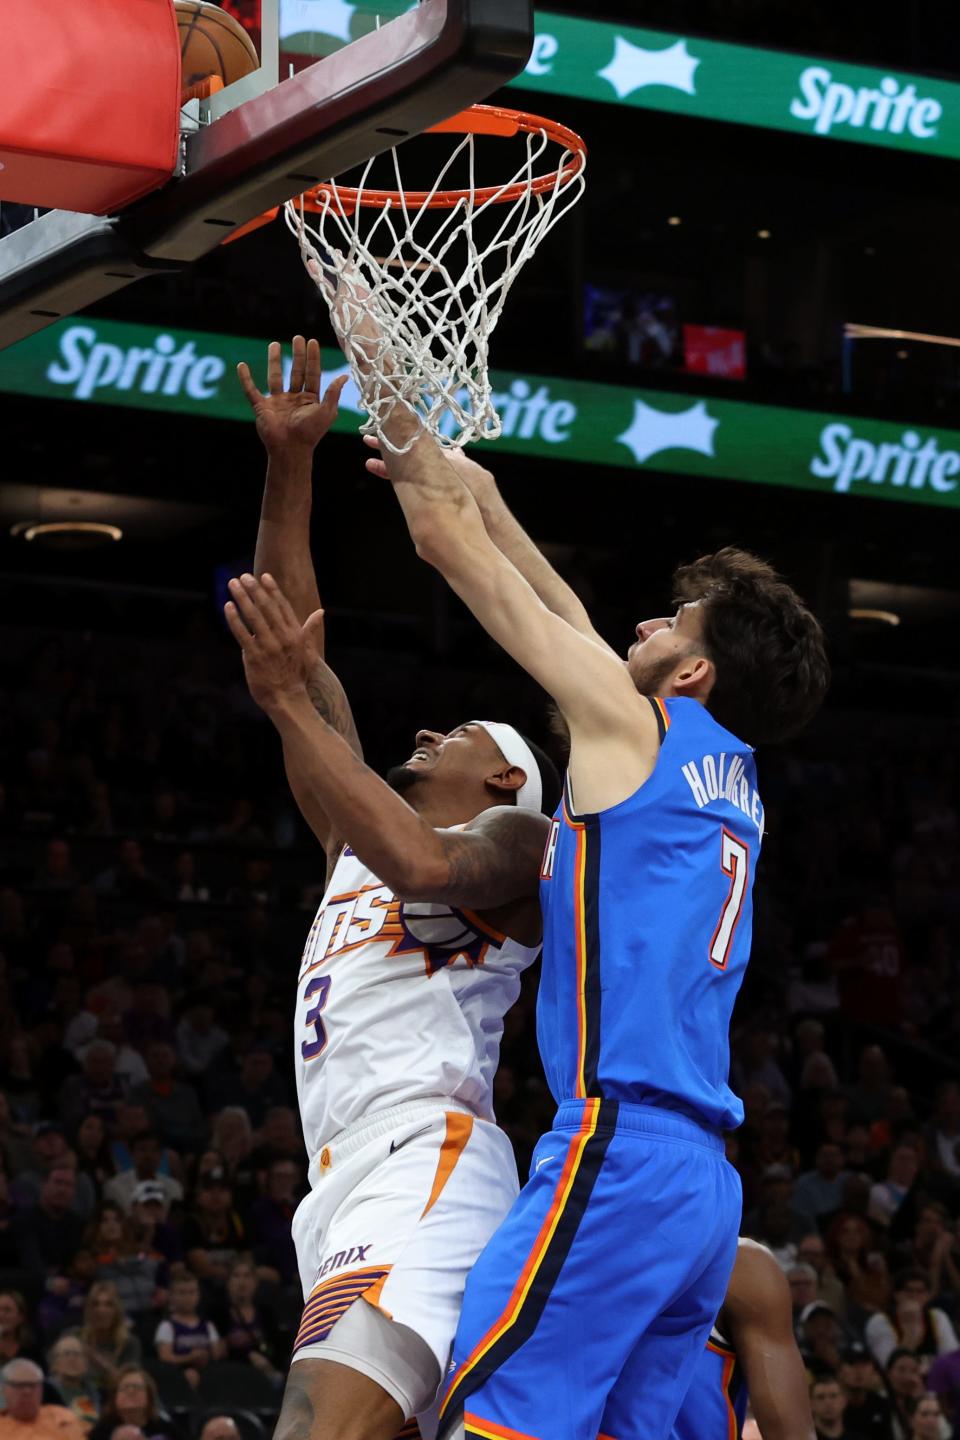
360 1383
617 1224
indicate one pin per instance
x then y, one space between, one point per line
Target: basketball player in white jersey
429 918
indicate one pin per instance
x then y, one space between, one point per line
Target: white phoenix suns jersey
397 1000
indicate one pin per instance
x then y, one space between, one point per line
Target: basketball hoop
414 306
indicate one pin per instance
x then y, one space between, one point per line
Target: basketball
212 43
435 925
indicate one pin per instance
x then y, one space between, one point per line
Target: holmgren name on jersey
721 777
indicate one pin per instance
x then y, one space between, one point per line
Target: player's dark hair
550 782
768 650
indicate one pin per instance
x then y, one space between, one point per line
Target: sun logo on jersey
441 935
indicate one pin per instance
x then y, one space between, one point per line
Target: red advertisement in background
708 350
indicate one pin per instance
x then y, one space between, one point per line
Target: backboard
338 83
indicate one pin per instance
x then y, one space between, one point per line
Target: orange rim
478 120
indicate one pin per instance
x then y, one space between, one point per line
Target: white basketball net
414 303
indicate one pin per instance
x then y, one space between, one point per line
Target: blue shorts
589 1309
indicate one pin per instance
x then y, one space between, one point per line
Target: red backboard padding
89 102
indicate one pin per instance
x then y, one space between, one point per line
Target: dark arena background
770 266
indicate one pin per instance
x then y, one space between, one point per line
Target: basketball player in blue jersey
590 1308
751 1354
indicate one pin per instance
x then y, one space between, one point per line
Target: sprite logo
912 464
86 365
632 68
887 106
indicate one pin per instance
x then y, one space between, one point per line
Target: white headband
516 751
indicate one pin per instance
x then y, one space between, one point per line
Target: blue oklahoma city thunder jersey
715 1406
647 912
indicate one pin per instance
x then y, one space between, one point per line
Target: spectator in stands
213 1235
72 1378
870 1096
61 1305
128 1062
220 1427
92 1149
151 1228
25 1416
199 1038
50 1232
887 1195
802 1280
868 1415
820 1191
858 1265
272 1216
147 1154
257 1086
134 1401
186 1338
278 1137
17 1340
248 1330
943 1380
140 1275
822 1338
914 1326
942 1135
50 1151
106 1333
128 878
812 1250
97 1091
173 1106
928 1422
827 1404
757 1065
10 1270
904 1387
232 1139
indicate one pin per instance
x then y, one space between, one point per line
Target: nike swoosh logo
399 1144
545 1161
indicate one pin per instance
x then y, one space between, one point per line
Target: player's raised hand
294 417
279 654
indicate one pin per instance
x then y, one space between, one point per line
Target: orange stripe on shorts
459 1130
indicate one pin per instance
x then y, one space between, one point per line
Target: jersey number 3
319 986
735 862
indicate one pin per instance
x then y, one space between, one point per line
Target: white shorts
401 1206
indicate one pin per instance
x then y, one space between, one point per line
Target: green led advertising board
193 373
706 79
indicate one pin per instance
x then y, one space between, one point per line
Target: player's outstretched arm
291 422
614 738
758 1320
493 862
510 538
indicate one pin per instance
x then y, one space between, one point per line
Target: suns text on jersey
722 777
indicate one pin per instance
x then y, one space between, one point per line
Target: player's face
466 754
661 645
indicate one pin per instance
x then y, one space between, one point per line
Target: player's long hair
768 650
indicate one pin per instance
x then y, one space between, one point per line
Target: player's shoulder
758 1287
509 825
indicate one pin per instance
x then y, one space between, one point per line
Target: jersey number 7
735 862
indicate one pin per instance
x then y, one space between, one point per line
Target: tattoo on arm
329 699
496 859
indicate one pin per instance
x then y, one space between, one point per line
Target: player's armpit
758 1319
494 861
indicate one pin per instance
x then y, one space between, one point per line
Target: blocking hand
295 417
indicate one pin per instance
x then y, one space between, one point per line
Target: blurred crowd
156 887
